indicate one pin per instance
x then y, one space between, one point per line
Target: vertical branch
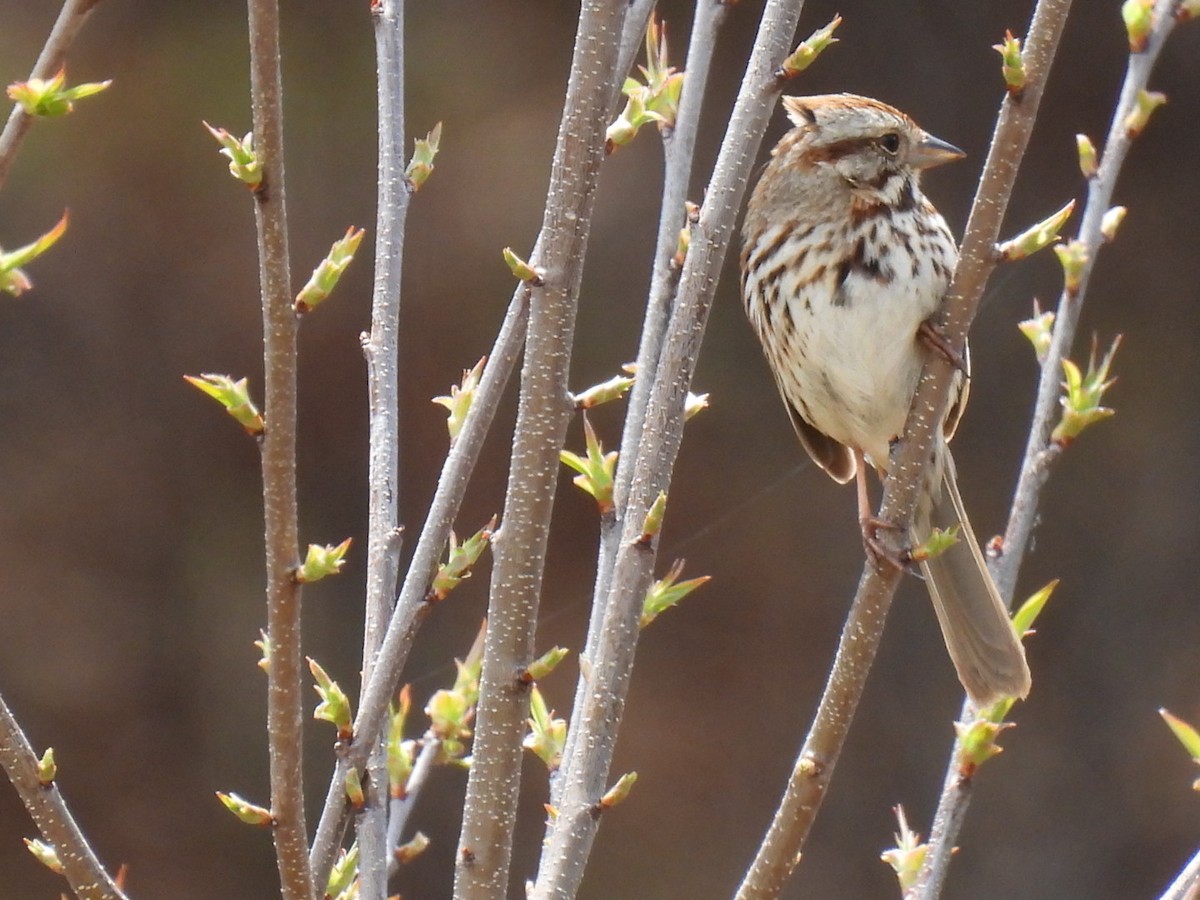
49 812
52 58
284 699
779 852
382 350
1040 454
489 814
412 607
679 147
586 771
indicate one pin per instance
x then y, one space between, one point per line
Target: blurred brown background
130 519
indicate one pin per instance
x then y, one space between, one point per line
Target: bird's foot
879 552
932 336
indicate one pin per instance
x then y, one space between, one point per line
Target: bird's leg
931 335
870 523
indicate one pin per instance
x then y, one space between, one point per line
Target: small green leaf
907 857
335 705
250 813
48 98
328 272
354 788
46 768
411 849
244 164
977 743
1083 393
264 646
1033 239
547 735
1040 331
605 392
1088 164
460 559
693 405
808 50
462 395
1028 612
13 279
665 593
939 541
425 150
596 469
343 872
654 101
1139 22
234 396
652 524
322 561
401 753
1072 256
45 854
619 792
1111 221
545 664
1012 62
521 269
1139 117
1187 735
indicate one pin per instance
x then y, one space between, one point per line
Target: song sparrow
843 262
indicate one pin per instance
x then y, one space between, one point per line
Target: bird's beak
932 152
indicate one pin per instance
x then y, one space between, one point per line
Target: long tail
979 635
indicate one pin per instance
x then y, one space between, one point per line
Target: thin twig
285 726
779 852
544 410
411 606
382 350
679 145
46 806
52 58
1035 468
1187 885
587 770
400 808
1040 454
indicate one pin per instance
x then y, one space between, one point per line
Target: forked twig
1040 454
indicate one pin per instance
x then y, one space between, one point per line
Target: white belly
847 353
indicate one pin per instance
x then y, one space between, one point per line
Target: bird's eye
890 143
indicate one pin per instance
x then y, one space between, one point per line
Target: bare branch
1040 454
780 850
54 54
382 350
285 726
49 811
544 410
586 770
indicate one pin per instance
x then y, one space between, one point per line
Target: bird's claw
935 339
877 550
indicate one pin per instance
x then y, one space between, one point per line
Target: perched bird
843 263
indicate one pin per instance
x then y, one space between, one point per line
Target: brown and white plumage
843 259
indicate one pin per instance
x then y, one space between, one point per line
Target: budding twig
54 54
1040 453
